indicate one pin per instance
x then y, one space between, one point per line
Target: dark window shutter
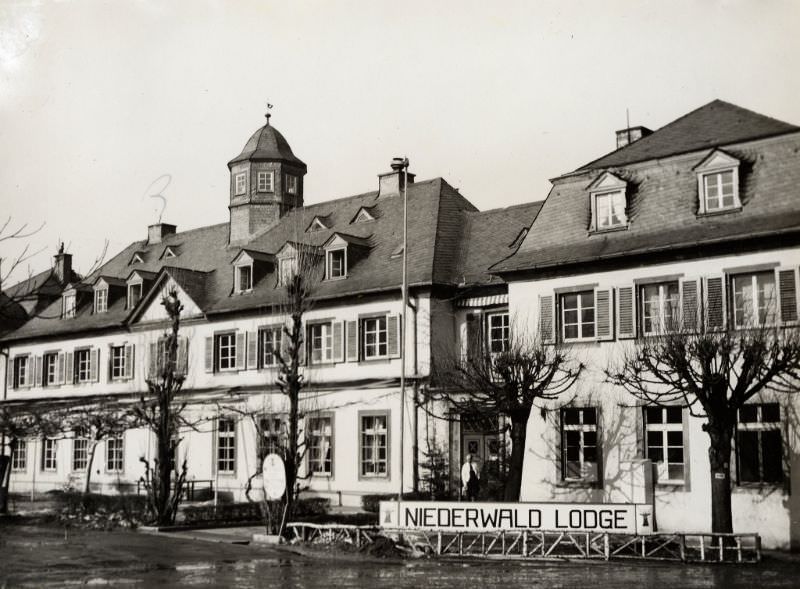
252 350
474 336
69 365
240 350
715 303
546 323
182 367
393 335
690 305
626 312
128 370
603 315
338 341
94 365
352 341
209 355
787 291
152 367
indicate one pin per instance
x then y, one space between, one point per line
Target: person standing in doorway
470 477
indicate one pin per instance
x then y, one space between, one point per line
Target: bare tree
161 412
713 373
507 383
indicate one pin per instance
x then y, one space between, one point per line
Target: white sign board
451 516
274 475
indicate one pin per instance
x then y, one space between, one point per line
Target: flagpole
403 336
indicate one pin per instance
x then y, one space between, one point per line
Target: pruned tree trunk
513 485
5 476
294 385
89 463
719 454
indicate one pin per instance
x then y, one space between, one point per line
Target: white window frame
616 198
19 455
50 369
266 181
716 175
49 455
240 184
238 277
269 346
661 318
329 265
80 453
759 426
493 329
101 300
665 428
83 365
69 306
292 184
117 359
135 287
371 440
115 454
321 332
23 370
589 470
226 442
320 445
768 311
287 268
375 337
273 432
225 342
580 309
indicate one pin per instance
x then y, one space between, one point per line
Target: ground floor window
759 447
80 453
374 447
320 451
19 455
664 442
226 445
49 446
115 454
579 444
273 437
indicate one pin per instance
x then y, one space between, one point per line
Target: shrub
101 511
371 503
312 506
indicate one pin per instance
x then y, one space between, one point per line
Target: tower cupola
266 181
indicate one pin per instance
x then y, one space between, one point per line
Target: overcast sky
99 99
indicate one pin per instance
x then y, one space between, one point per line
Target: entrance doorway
480 436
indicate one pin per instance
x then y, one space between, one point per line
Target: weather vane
268 114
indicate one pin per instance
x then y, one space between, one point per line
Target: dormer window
101 300
137 259
336 266
316 224
291 184
168 253
718 183
287 268
266 181
244 278
608 202
134 294
241 183
68 305
362 216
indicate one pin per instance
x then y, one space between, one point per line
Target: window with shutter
394 330
69 368
128 372
578 316
182 361
787 294
690 305
626 313
659 307
351 334
754 299
715 303
374 334
604 325
474 336
38 382
546 321
338 341
270 346
209 354
252 350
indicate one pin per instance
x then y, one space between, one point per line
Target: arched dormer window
718 183
608 201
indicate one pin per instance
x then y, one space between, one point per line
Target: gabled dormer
718 183
341 252
249 267
318 223
170 251
363 215
72 297
608 202
137 285
137 258
293 258
106 290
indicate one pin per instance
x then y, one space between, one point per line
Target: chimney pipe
63 266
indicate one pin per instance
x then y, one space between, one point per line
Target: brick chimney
157 232
631 134
392 183
62 269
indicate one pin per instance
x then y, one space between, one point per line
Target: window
226 445
754 293
270 343
83 365
498 332
609 210
321 343
719 191
244 278
579 444
80 451
117 362
287 268
577 315
68 306
22 371
101 300
115 454
226 351
49 446
664 432
320 438
759 449
273 439
291 184
375 337
659 307
50 369
374 449
337 263
265 181
19 455
241 184
134 295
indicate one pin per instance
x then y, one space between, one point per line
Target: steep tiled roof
267 144
663 204
717 123
437 220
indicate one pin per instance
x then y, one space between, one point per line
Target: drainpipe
7 473
415 427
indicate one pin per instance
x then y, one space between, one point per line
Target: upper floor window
241 183
120 358
320 341
498 328
718 183
579 444
270 344
226 351
83 365
754 299
759 447
23 371
577 315
336 263
659 306
609 210
244 278
101 300
68 305
50 369
266 181
664 443
134 294
291 184
376 337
